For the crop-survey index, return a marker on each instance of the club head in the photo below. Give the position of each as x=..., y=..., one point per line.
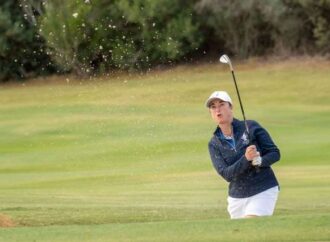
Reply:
x=225, y=60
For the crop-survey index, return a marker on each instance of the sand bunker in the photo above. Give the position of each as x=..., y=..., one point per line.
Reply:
x=6, y=221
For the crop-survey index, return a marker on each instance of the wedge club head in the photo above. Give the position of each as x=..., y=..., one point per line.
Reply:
x=225, y=60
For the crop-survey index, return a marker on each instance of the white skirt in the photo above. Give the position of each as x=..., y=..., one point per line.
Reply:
x=261, y=204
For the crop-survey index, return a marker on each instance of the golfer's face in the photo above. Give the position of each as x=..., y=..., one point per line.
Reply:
x=221, y=111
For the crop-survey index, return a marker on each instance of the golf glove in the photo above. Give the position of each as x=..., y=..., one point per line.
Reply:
x=257, y=161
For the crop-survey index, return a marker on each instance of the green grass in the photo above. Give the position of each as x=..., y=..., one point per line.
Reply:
x=126, y=159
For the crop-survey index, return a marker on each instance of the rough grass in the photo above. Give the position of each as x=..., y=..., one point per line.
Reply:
x=125, y=159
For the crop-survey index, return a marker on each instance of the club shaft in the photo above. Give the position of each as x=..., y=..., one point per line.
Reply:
x=240, y=103
x=242, y=109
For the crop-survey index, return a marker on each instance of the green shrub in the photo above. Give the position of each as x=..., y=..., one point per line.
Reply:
x=253, y=27
x=22, y=50
x=241, y=27
x=100, y=35
x=319, y=15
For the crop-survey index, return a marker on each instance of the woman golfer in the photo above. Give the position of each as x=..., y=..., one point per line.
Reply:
x=245, y=164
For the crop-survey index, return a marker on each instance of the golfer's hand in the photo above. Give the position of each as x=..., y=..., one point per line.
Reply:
x=251, y=152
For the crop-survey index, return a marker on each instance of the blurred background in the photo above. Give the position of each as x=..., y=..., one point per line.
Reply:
x=92, y=37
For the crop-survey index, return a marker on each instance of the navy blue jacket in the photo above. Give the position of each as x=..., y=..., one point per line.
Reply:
x=230, y=162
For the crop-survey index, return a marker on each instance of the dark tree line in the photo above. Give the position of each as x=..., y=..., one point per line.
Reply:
x=96, y=36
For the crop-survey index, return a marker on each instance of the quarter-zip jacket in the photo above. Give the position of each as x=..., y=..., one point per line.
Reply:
x=230, y=162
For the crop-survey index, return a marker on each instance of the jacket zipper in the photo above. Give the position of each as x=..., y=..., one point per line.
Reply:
x=220, y=142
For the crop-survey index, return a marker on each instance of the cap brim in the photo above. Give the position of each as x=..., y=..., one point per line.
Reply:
x=207, y=104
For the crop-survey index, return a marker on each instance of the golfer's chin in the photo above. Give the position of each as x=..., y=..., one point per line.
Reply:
x=222, y=121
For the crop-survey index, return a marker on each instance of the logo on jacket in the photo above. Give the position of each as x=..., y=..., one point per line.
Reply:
x=245, y=139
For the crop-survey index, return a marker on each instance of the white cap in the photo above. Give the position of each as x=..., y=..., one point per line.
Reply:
x=221, y=95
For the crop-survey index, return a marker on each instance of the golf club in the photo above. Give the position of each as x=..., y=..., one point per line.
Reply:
x=225, y=60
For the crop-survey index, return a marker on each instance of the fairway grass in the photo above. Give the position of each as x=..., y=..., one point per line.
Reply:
x=125, y=158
